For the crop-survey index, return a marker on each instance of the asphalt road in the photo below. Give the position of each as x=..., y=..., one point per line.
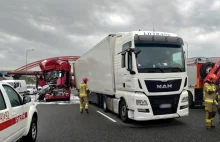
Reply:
x=64, y=123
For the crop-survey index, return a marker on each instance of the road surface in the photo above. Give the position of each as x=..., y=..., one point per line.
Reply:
x=63, y=122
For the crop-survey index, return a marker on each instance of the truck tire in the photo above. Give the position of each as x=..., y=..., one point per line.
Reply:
x=32, y=134
x=123, y=111
x=191, y=103
x=205, y=69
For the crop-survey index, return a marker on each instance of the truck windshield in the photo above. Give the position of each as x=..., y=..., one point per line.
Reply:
x=160, y=58
x=53, y=75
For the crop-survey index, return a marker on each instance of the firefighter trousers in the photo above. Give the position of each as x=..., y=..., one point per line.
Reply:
x=210, y=110
x=84, y=99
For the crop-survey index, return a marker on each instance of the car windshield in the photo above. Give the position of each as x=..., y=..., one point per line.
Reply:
x=160, y=58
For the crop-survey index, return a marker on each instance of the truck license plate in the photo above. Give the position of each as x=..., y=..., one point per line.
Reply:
x=165, y=106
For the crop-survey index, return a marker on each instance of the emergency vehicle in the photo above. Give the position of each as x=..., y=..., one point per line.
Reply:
x=197, y=70
x=139, y=75
x=18, y=116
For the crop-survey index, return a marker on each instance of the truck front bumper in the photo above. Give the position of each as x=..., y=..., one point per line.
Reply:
x=156, y=109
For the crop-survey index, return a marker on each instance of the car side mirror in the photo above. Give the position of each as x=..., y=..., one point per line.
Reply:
x=26, y=99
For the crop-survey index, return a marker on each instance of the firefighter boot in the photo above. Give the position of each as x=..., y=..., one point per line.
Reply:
x=87, y=110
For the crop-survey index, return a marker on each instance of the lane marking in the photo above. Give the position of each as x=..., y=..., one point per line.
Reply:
x=106, y=116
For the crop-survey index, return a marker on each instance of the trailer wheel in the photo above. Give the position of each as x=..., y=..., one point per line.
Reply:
x=205, y=69
x=123, y=111
x=105, y=104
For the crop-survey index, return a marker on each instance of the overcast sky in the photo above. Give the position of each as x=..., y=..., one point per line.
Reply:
x=72, y=27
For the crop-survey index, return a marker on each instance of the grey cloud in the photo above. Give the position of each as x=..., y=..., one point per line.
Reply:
x=64, y=27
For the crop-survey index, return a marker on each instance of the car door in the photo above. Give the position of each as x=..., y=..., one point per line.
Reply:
x=17, y=110
x=6, y=133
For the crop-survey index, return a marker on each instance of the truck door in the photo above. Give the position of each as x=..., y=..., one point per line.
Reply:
x=127, y=77
x=127, y=65
x=6, y=132
x=17, y=110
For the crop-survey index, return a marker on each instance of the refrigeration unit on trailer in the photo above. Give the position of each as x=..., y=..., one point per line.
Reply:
x=197, y=70
x=138, y=75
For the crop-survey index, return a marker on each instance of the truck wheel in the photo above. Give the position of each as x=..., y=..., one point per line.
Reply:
x=191, y=103
x=123, y=112
x=205, y=69
x=32, y=134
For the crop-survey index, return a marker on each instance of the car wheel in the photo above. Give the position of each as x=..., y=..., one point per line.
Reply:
x=32, y=134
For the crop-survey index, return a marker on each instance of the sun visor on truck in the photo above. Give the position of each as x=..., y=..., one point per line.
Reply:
x=157, y=39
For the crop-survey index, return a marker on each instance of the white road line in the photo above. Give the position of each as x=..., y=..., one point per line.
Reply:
x=106, y=116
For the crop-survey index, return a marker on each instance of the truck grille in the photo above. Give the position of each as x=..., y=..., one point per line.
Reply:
x=157, y=101
x=161, y=86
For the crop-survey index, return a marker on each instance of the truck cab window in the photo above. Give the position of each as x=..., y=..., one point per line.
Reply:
x=13, y=96
x=2, y=102
x=177, y=57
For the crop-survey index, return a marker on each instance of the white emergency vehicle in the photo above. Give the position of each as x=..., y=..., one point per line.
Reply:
x=31, y=89
x=18, y=116
x=19, y=85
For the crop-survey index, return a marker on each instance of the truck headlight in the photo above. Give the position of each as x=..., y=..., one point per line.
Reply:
x=185, y=99
x=141, y=102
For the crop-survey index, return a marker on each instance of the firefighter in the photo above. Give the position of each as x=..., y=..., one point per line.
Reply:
x=83, y=94
x=218, y=100
x=210, y=100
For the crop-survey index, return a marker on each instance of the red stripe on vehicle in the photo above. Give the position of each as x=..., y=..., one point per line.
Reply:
x=10, y=122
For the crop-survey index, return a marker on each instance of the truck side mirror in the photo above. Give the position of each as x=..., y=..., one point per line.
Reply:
x=129, y=68
x=137, y=51
x=132, y=72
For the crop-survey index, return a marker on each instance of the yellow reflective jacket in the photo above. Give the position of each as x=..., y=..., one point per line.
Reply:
x=209, y=93
x=83, y=88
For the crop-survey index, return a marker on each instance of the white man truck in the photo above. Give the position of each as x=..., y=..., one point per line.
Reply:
x=139, y=75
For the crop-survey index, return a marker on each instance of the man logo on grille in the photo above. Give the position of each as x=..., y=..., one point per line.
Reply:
x=164, y=86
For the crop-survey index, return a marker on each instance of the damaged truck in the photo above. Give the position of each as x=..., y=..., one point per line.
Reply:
x=55, y=80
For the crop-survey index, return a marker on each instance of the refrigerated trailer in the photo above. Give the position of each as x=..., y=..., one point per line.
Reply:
x=139, y=75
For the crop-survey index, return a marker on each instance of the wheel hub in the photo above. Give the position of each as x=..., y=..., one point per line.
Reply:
x=104, y=105
x=208, y=69
x=123, y=110
x=34, y=131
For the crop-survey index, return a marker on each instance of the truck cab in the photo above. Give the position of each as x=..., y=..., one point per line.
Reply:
x=18, y=116
x=152, y=76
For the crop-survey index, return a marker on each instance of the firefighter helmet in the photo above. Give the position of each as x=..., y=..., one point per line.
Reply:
x=85, y=79
x=211, y=77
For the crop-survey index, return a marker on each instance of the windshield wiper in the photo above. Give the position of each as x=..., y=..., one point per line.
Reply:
x=177, y=68
x=153, y=69
x=159, y=69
